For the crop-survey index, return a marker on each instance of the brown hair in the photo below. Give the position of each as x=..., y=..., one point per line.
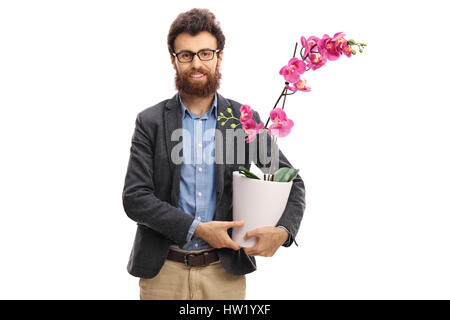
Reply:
x=193, y=22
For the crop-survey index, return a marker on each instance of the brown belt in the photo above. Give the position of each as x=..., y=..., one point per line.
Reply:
x=194, y=259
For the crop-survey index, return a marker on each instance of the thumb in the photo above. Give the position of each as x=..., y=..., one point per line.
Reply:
x=250, y=234
x=235, y=224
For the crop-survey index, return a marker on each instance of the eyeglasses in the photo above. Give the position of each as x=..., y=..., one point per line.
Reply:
x=187, y=56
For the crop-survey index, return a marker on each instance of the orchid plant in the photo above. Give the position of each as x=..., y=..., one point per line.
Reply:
x=314, y=54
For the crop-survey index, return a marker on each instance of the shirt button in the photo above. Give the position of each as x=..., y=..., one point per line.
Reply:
x=196, y=245
x=199, y=194
x=199, y=144
x=200, y=169
x=199, y=218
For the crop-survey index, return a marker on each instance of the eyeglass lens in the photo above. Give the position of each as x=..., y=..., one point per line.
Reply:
x=203, y=55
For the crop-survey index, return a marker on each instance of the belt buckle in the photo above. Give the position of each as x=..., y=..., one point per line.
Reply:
x=186, y=258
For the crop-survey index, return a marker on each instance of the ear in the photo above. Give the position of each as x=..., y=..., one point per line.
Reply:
x=174, y=63
x=219, y=59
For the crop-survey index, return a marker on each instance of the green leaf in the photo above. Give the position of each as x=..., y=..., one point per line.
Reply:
x=247, y=173
x=233, y=125
x=285, y=174
x=229, y=111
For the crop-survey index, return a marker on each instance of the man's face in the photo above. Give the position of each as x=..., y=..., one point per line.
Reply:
x=209, y=82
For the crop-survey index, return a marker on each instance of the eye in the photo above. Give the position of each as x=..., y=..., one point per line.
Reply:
x=206, y=54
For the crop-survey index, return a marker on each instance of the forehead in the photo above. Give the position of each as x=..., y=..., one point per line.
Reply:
x=202, y=40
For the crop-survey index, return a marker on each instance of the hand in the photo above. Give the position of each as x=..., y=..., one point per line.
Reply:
x=269, y=240
x=215, y=233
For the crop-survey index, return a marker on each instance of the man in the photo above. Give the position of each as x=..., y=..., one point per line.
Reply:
x=183, y=248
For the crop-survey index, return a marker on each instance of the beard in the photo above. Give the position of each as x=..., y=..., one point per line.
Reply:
x=187, y=86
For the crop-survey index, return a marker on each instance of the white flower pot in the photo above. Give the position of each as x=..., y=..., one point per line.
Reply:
x=258, y=203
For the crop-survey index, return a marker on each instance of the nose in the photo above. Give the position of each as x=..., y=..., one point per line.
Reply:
x=196, y=62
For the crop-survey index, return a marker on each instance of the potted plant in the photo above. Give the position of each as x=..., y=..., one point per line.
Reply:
x=260, y=199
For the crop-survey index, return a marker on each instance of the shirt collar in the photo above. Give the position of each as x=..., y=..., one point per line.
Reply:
x=212, y=110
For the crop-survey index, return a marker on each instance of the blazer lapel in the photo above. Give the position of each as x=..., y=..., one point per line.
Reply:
x=222, y=105
x=173, y=121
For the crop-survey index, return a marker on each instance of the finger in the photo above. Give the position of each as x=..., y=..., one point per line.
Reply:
x=251, y=251
x=251, y=234
x=235, y=224
x=233, y=245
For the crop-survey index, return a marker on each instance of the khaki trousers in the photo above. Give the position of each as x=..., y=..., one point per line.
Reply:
x=176, y=281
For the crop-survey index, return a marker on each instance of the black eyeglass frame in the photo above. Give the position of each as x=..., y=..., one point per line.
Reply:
x=195, y=54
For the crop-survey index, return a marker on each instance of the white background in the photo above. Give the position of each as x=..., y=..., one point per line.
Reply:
x=370, y=140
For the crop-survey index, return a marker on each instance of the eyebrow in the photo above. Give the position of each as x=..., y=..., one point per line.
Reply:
x=197, y=51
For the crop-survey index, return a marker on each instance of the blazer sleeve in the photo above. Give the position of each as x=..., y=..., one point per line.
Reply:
x=295, y=206
x=139, y=200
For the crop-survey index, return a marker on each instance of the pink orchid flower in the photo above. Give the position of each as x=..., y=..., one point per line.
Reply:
x=252, y=129
x=315, y=58
x=281, y=126
x=246, y=113
x=299, y=86
x=333, y=47
x=293, y=70
x=310, y=44
x=348, y=51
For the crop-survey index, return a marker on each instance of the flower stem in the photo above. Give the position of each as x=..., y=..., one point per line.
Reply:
x=265, y=158
x=274, y=143
x=276, y=103
x=283, y=93
x=284, y=100
x=295, y=50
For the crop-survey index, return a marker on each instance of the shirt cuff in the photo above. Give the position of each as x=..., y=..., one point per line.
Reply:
x=289, y=240
x=192, y=230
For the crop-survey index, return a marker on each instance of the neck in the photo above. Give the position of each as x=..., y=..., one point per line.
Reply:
x=196, y=104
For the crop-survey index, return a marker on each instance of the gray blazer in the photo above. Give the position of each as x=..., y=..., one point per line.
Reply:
x=151, y=191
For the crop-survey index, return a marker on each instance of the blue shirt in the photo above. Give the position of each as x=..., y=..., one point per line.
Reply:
x=198, y=178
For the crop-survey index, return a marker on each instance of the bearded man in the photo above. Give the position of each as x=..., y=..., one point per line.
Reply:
x=183, y=209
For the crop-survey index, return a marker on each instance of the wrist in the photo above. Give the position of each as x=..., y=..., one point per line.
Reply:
x=198, y=230
x=284, y=235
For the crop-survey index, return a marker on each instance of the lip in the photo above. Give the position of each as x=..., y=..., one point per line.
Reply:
x=196, y=78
